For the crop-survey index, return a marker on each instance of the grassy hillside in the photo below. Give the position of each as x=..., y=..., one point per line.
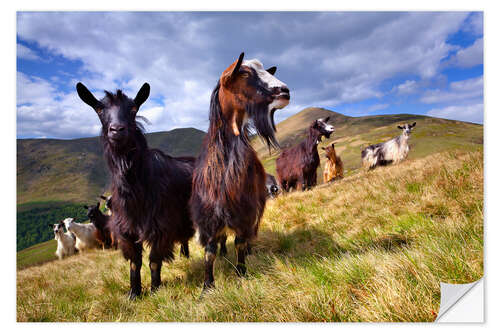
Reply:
x=37, y=254
x=431, y=135
x=74, y=170
x=372, y=247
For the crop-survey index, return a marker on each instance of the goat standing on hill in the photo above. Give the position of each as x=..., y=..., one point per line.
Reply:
x=272, y=186
x=101, y=223
x=84, y=233
x=392, y=151
x=297, y=166
x=150, y=189
x=334, y=168
x=229, y=181
x=65, y=240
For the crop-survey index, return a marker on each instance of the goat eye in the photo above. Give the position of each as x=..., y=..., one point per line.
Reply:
x=245, y=75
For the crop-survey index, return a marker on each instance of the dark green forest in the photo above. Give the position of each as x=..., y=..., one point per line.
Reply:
x=33, y=224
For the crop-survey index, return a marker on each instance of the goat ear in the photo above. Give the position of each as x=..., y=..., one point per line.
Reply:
x=326, y=119
x=85, y=206
x=400, y=127
x=236, y=68
x=142, y=95
x=413, y=125
x=88, y=98
x=271, y=70
x=103, y=197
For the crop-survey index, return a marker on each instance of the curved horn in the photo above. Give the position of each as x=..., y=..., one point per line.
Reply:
x=236, y=68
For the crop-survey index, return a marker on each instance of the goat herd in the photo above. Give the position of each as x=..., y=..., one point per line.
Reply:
x=160, y=200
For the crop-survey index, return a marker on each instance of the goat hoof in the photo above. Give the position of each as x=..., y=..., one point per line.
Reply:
x=154, y=289
x=133, y=295
x=241, y=270
x=206, y=288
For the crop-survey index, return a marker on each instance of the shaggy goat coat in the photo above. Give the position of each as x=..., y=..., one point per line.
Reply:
x=392, y=151
x=334, y=167
x=230, y=161
x=149, y=189
x=229, y=182
x=296, y=167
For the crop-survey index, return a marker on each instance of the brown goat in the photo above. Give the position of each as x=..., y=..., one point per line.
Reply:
x=229, y=182
x=334, y=168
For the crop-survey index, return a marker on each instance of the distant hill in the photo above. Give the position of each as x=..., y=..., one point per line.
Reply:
x=352, y=134
x=74, y=170
x=55, y=177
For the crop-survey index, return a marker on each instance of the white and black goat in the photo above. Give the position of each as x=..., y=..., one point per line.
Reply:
x=392, y=151
x=65, y=240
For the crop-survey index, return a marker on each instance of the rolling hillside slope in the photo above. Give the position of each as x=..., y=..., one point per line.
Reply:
x=372, y=247
x=431, y=135
x=56, y=173
x=74, y=170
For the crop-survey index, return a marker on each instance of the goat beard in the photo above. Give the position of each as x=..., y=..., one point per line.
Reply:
x=262, y=122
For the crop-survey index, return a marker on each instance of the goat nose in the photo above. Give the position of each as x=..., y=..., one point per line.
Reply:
x=116, y=128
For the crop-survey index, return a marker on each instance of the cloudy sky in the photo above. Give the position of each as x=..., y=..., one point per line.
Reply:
x=356, y=63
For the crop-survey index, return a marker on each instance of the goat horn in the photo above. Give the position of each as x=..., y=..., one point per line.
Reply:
x=238, y=64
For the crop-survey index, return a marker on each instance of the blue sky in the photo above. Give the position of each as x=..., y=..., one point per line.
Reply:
x=356, y=63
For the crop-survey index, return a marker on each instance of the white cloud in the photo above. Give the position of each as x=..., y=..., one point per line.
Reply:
x=24, y=52
x=327, y=59
x=406, y=88
x=472, y=112
x=42, y=111
x=474, y=24
x=470, y=56
x=458, y=90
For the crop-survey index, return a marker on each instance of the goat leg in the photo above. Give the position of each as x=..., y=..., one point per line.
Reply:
x=155, y=261
x=210, y=255
x=241, y=246
x=223, y=248
x=185, y=249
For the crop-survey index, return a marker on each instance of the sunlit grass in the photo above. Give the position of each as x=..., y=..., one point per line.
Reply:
x=372, y=247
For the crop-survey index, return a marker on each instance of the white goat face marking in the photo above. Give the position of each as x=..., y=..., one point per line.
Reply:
x=270, y=81
x=58, y=228
x=328, y=128
x=265, y=76
x=406, y=129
